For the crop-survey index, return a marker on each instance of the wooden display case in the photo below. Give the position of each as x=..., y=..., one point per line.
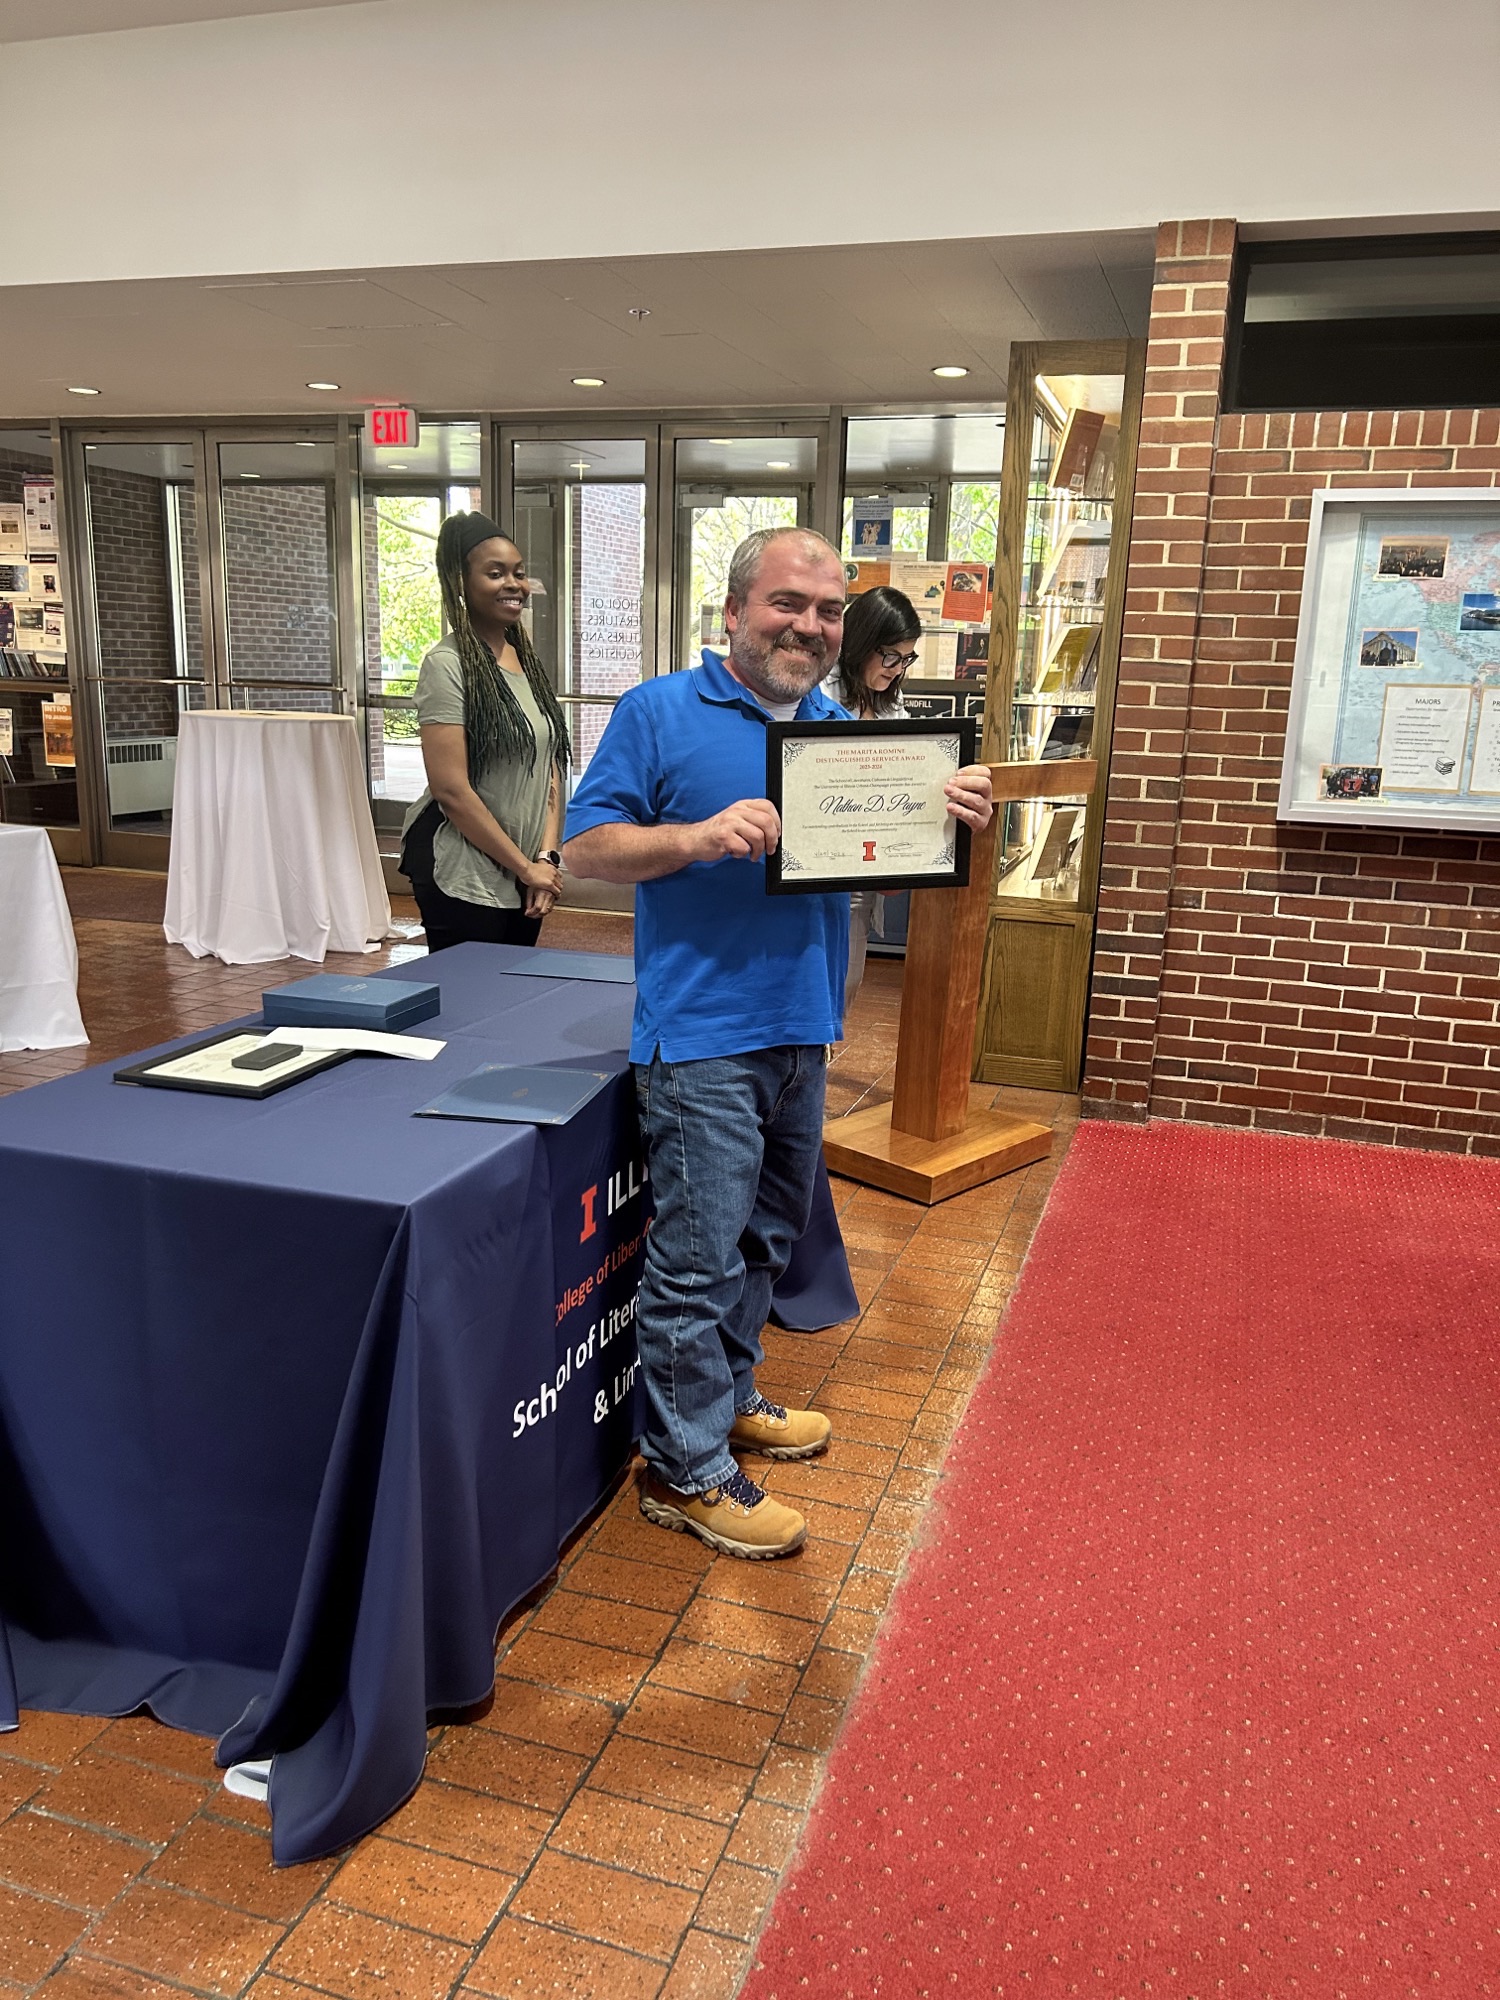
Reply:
x=1072, y=427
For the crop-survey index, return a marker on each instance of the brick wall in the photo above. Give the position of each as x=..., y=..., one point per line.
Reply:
x=280, y=593
x=1305, y=979
x=133, y=596
x=18, y=466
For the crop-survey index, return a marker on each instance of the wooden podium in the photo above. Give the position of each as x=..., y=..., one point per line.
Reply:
x=934, y=1139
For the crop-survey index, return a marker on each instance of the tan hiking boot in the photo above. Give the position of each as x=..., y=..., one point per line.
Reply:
x=737, y=1518
x=777, y=1433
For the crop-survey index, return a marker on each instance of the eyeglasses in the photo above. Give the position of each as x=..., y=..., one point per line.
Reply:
x=890, y=659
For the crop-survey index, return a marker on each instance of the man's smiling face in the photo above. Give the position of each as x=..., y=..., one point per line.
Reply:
x=785, y=635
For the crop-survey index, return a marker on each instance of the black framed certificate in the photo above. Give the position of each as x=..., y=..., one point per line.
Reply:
x=237, y=1062
x=862, y=805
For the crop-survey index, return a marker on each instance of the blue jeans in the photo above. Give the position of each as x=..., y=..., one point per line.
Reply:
x=733, y=1145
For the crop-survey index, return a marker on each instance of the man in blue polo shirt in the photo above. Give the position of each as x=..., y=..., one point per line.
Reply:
x=738, y=995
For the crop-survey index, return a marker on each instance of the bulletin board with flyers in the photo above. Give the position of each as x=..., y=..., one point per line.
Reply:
x=37, y=762
x=1395, y=708
x=952, y=599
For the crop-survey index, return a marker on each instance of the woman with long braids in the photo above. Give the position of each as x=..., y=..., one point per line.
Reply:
x=480, y=846
x=881, y=629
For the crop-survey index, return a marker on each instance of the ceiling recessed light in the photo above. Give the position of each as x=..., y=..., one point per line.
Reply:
x=399, y=468
x=778, y=465
x=588, y=381
x=249, y=475
x=950, y=371
x=76, y=389
x=322, y=385
x=305, y=444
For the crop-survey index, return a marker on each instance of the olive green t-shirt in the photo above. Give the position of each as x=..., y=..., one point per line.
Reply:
x=515, y=795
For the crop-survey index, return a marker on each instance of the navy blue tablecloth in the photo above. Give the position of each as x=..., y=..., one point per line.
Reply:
x=298, y=1397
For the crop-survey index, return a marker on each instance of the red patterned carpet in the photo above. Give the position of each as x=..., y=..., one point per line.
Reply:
x=1194, y=1689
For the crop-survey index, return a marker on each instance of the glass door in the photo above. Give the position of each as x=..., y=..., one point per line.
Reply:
x=215, y=570
x=144, y=588
x=405, y=496
x=724, y=487
x=581, y=510
x=275, y=530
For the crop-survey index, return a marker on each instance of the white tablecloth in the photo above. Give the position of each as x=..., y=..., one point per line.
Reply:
x=273, y=845
x=38, y=954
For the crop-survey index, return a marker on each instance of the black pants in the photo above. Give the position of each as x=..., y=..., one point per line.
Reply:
x=446, y=919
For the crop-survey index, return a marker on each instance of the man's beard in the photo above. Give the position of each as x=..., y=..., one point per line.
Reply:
x=780, y=671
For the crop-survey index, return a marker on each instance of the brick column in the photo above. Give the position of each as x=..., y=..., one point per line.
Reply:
x=1163, y=605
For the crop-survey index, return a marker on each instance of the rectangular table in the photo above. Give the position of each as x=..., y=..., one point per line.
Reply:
x=314, y=1390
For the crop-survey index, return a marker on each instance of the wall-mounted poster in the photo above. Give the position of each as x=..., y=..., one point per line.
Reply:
x=1395, y=708
x=966, y=596
x=7, y=732
x=925, y=583
x=870, y=530
x=12, y=529
x=54, y=640
x=15, y=578
x=44, y=580
x=57, y=732
x=39, y=499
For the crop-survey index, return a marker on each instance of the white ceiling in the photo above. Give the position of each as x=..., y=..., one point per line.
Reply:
x=29, y=21
x=762, y=328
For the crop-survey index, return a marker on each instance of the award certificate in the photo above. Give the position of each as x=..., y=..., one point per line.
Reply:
x=862, y=805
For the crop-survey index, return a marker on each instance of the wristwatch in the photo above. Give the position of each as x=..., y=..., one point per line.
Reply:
x=551, y=856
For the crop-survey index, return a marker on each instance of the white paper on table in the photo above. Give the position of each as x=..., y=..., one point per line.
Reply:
x=362, y=1041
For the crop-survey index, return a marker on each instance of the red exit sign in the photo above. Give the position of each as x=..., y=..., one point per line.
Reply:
x=392, y=429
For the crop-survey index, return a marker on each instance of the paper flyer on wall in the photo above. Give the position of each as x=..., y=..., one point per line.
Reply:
x=15, y=578
x=966, y=593
x=54, y=641
x=870, y=530
x=44, y=580
x=862, y=576
x=57, y=732
x=925, y=583
x=12, y=529
x=39, y=499
x=7, y=732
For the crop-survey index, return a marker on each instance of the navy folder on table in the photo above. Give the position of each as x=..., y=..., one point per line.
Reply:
x=509, y=1094
x=538, y=962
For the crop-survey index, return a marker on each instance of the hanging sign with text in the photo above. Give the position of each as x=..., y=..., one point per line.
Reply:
x=392, y=430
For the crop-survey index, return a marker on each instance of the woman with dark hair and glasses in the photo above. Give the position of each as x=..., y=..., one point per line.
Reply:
x=881, y=629
x=480, y=845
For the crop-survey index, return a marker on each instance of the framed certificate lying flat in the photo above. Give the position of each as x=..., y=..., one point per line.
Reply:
x=242, y=1063
x=862, y=805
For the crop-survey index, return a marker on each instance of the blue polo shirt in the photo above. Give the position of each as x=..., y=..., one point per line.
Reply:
x=721, y=967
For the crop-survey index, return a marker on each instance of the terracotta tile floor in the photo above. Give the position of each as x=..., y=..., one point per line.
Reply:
x=615, y=1822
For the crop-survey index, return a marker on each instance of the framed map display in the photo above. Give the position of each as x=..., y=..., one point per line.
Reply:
x=1395, y=709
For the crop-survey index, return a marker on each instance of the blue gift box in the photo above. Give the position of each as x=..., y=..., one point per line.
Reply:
x=329, y=1001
